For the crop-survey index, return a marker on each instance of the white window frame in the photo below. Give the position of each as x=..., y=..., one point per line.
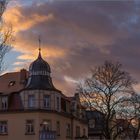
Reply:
x=31, y=102
x=29, y=127
x=4, y=103
x=47, y=102
x=68, y=130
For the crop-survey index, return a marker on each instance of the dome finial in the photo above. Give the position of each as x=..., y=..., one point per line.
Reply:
x=39, y=42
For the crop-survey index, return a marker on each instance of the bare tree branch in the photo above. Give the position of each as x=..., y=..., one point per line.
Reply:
x=5, y=35
x=105, y=90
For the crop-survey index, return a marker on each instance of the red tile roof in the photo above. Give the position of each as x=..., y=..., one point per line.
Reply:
x=11, y=82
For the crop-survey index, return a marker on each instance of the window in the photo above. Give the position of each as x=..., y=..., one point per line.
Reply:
x=74, y=105
x=68, y=130
x=58, y=128
x=57, y=103
x=31, y=101
x=46, y=101
x=92, y=123
x=77, y=131
x=3, y=127
x=84, y=132
x=63, y=104
x=46, y=125
x=12, y=83
x=29, y=126
x=4, y=103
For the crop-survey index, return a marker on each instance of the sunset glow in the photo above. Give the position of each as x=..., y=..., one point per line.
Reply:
x=74, y=39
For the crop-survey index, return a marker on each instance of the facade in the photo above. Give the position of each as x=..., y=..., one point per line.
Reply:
x=31, y=108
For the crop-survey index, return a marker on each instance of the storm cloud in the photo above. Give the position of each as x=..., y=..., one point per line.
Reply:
x=77, y=36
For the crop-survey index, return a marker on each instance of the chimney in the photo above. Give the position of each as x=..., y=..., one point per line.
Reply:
x=23, y=76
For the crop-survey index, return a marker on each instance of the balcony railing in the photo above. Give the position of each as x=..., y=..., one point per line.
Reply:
x=47, y=135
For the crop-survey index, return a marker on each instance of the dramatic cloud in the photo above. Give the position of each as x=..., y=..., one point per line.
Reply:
x=76, y=36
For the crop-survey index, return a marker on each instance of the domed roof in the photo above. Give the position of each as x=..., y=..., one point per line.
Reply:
x=39, y=75
x=39, y=65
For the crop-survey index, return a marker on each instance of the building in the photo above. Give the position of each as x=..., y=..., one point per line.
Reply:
x=95, y=124
x=123, y=128
x=31, y=108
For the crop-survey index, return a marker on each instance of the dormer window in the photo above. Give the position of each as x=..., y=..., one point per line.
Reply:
x=12, y=83
x=4, y=102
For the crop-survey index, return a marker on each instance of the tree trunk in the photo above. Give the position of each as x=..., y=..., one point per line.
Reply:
x=137, y=131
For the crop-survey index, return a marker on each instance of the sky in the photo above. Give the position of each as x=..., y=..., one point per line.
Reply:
x=75, y=37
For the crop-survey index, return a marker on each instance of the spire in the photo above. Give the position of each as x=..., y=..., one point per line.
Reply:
x=39, y=49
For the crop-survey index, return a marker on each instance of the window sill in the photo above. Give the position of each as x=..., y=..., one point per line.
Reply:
x=4, y=109
x=3, y=134
x=69, y=137
x=46, y=108
x=30, y=133
x=31, y=107
x=81, y=138
x=78, y=137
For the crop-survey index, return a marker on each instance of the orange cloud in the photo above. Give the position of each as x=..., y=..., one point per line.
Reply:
x=46, y=52
x=28, y=47
x=18, y=63
x=25, y=57
x=20, y=22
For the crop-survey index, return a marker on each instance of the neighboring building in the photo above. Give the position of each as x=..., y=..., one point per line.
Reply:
x=31, y=108
x=95, y=124
x=123, y=129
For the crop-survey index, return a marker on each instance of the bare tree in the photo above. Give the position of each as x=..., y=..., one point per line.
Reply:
x=3, y=4
x=104, y=90
x=5, y=35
